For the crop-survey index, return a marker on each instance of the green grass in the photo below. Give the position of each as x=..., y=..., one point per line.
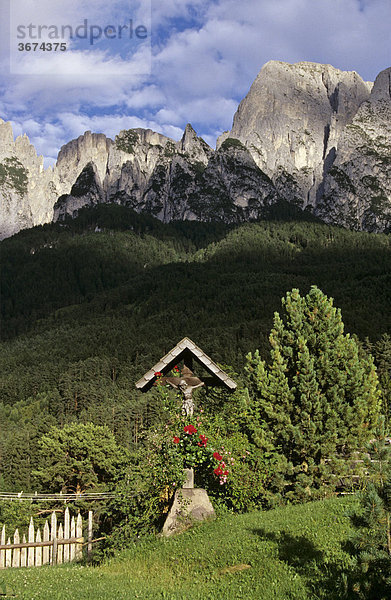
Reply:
x=292, y=553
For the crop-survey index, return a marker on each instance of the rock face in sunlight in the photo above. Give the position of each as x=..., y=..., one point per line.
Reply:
x=291, y=121
x=27, y=192
x=170, y=180
x=357, y=188
x=307, y=134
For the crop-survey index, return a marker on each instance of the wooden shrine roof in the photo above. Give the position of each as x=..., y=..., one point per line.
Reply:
x=185, y=349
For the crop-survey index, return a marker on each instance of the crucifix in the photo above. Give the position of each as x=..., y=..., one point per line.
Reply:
x=186, y=383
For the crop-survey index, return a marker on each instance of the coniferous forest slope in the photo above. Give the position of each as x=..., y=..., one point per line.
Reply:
x=90, y=304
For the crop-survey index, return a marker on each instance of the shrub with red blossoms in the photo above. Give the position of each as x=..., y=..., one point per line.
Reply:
x=195, y=451
x=220, y=470
x=203, y=442
x=190, y=429
x=159, y=378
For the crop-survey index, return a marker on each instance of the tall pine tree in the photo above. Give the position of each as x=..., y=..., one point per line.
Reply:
x=318, y=400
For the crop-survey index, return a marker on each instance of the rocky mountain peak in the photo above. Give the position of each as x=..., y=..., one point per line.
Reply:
x=291, y=120
x=73, y=157
x=6, y=133
x=27, y=193
x=194, y=145
x=306, y=133
x=382, y=86
x=189, y=138
x=356, y=191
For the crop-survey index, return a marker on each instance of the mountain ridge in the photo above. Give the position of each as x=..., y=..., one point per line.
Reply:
x=306, y=133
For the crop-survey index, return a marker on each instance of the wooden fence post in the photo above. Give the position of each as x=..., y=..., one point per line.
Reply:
x=66, y=535
x=23, y=553
x=60, y=546
x=2, y=552
x=79, y=535
x=89, y=535
x=53, y=536
x=8, y=555
x=38, y=549
x=54, y=551
x=16, y=552
x=30, y=551
x=46, y=549
x=73, y=535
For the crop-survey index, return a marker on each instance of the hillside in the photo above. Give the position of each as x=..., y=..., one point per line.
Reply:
x=294, y=552
x=89, y=305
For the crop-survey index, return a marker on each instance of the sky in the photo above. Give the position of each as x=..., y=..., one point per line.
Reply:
x=160, y=64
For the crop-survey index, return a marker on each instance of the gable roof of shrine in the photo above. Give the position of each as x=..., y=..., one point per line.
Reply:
x=185, y=350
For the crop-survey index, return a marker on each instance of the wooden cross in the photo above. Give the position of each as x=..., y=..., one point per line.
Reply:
x=186, y=383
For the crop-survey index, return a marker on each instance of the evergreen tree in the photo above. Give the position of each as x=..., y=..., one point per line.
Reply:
x=372, y=543
x=318, y=399
x=381, y=351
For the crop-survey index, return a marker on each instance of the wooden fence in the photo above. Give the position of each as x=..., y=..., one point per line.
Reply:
x=56, y=545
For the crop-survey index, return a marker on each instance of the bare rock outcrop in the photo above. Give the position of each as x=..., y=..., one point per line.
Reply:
x=171, y=180
x=291, y=121
x=27, y=191
x=308, y=134
x=357, y=188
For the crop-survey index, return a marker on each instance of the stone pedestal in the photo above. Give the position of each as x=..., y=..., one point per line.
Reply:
x=189, y=482
x=190, y=505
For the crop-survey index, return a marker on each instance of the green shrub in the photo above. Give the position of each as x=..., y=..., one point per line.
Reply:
x=127, y=140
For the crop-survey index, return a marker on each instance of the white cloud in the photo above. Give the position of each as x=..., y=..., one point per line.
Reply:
x=81, y=66
x=148, y=96
x=110, y=83
x=211, y=111
x=199, y=71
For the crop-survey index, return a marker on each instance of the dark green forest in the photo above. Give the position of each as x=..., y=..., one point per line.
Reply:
x=87, y=306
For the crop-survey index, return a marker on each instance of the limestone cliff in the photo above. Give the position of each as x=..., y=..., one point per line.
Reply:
x=357, y=189
x=171, y=180
x=291, y=121
x=309, y=134
x=27, y=191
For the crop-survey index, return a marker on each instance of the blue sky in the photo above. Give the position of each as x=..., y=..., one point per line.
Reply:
x=195, y=65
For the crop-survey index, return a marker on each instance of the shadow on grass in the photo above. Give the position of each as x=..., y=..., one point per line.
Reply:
x=324, y=580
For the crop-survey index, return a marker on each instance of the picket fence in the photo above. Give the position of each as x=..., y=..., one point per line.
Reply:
x=56, y=545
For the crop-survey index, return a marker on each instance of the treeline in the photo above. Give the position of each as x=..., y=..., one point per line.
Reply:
x=89, y=305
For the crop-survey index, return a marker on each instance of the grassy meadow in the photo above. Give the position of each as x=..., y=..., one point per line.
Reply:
x=291, y=553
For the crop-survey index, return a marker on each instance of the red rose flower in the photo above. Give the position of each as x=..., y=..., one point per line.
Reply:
x=176, y=439
x=226, y=473
x=217, y=456
x=158, y=373
x=218, y=471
